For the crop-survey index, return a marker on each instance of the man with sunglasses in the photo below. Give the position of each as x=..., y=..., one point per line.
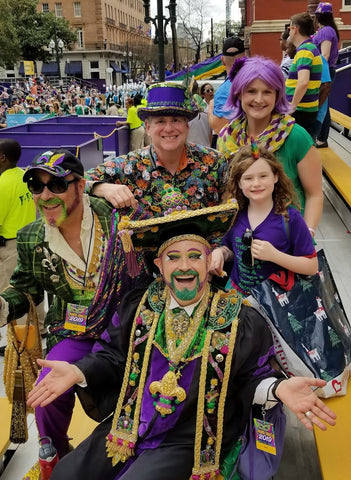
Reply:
x=60, y=253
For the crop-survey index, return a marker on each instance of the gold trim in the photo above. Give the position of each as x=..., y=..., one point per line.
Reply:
x=179, y=238
x=224, y=389
x=126, y=224
x=111, y=447
x=201, y=400
x=217, y=441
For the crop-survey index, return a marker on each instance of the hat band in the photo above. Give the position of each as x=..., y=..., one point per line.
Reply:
x=179, y=238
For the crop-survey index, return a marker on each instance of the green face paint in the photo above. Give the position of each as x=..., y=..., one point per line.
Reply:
x=47, y=216
x=185, y=294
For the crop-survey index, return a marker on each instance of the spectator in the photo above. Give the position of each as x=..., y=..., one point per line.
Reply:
x=218, y=116
x=142, y=175
x=287, y=56
x=135, y=125
x=327, y=40
x=304, y=81
x=199, y=128
x=17, y=208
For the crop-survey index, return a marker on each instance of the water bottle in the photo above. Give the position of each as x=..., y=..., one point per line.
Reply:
x=47, y=457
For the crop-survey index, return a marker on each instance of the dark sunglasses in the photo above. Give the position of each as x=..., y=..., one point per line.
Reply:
x=246, y=240
x=209, y=90
x=57, y=185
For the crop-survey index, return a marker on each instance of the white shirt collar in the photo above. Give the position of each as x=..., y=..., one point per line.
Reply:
x=58, y=244
x=188, y=308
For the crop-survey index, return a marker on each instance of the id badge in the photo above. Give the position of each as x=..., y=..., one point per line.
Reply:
x=76, y=317
x=265, y=439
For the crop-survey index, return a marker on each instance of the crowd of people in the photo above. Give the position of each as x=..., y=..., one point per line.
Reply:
x=168, y=362
x=38, y=96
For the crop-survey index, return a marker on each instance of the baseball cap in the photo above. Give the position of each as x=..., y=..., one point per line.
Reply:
x=232, y=43
x=59, y=163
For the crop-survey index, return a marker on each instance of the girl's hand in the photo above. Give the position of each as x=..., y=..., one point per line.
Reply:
x=263, y=250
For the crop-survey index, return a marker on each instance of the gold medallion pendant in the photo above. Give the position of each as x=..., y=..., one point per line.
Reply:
x=169, y=392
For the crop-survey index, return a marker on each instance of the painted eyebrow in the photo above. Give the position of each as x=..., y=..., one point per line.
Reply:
x=192, y=249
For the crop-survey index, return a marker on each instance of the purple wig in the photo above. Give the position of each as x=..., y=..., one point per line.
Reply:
x=244, y=72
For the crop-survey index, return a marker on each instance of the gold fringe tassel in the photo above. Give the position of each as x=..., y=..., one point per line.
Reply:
x=18, y=428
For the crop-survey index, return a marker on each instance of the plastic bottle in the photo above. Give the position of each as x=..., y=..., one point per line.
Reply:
x=47, y=457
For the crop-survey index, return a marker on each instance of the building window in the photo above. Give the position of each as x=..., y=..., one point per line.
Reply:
x=347, y=4
x=80, y=38
x=94, y=64
x=58, y=10
x=45, y=7
x=77, y=9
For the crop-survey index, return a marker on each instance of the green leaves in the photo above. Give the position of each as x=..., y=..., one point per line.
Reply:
x=25, y=33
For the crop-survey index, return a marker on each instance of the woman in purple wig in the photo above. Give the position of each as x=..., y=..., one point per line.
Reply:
x=260, y=110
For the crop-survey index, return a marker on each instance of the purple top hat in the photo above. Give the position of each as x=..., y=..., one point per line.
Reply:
x=168, y=99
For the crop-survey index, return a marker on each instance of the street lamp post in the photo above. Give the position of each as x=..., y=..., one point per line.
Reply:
x=160, y=30
x=212, y=49
x=56, y=46
x=128, y=56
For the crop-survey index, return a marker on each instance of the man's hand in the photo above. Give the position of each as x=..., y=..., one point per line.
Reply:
x=118, y=195
x=296, y=394
x=63, y=375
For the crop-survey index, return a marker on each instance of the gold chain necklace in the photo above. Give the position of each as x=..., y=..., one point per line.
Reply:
x=188, y=327
x=167, y=391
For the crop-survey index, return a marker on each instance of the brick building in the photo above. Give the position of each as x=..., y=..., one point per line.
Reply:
x=113, y=42
x=111, y=36
x=264, y=21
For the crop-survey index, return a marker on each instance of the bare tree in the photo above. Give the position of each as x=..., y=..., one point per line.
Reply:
x=192, y=16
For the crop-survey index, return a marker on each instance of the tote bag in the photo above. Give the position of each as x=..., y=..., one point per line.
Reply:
x=310, y=329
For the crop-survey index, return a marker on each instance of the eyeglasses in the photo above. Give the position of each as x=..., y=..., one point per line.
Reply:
x=246, y=240
x=57, y=185
x=291, y=26
x=209, y=90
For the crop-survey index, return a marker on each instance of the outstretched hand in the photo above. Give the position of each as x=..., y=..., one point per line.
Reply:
x=296, y=394
x=62, y=376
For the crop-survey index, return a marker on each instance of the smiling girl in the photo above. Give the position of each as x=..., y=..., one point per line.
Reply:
x=269, y=233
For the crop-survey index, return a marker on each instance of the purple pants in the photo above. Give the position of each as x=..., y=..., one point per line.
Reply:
x=54, y=419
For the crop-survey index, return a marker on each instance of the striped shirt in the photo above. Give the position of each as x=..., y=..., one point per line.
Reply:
x=307, y=57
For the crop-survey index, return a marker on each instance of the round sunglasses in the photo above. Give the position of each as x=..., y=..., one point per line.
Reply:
x=56, y=185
